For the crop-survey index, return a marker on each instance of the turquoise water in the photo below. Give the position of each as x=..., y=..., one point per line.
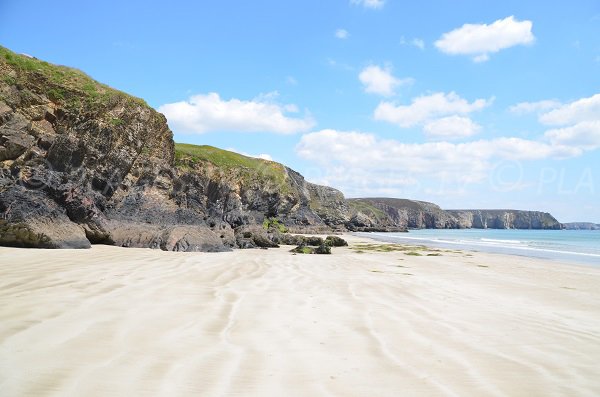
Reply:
x=581, y=246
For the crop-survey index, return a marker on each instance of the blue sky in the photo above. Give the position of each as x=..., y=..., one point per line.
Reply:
x=468, y=104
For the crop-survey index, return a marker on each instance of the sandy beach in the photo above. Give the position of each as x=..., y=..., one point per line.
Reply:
x=114, y=321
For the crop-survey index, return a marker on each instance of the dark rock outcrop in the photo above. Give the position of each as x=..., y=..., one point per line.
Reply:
x=30, y=220
x=335, y=241
x=321, y=249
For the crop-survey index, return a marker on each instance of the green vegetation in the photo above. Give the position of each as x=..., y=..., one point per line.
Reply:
x=322, y=249
x=367, y=209
x=117, y=121
x=9, y=80
x=273, y=223
x=302, y=250
x=186, y=154
x=311, y=245
x=219, y=157
x=411, y=250
x=59, y=83
x=388, y=247
x=56, y=94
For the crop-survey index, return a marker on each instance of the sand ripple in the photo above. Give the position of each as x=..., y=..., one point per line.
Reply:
x=111, y=321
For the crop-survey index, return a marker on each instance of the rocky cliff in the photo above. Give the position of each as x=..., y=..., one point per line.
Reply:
x=581, y=226
x=504, y=219
x=82, y=163
x=387, y=213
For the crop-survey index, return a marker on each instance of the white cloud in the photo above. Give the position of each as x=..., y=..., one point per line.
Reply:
x=208, y=112
x=393, y=164
x=481, y=58
x=342, y=34
x=416, y=42
x=369, y=3
x=451, y=127
x=584, y=135
x=263, y=156
x=480, y=40
x=377, y=80
x=534, y=107
x=579, y=121
x=427, y=107
x=419, y=43
x=584, y=109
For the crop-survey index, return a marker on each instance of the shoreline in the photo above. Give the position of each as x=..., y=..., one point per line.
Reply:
x=136, y=321
x=490, y=245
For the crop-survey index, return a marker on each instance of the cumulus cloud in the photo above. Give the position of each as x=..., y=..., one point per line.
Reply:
x=451, y=127
x=584, y=135
x=427, y=107
x=342, y=34
x=209, y=112
x=580, y=122
x=481, y=40
x=374, y=4
x=377, y=80
x=584, y=109
x=395, y=164
x=534, y=107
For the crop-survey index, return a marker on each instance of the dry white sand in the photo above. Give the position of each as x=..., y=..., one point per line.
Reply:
x=129, y=322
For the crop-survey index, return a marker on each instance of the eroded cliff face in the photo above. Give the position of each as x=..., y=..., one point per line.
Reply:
x=246, y=191
x=82, y=163
x=505, y=219
x=386, y=213
x=581, y=226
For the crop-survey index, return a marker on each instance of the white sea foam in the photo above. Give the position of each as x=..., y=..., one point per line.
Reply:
x=493, y=240
x=551, y=248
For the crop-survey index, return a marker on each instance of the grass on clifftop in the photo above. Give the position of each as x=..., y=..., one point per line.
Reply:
x=366, y=208
x=59, y=83
x=231, y=161
x=219, y=157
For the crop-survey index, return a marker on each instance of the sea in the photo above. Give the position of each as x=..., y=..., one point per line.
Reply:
x=575, y=246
